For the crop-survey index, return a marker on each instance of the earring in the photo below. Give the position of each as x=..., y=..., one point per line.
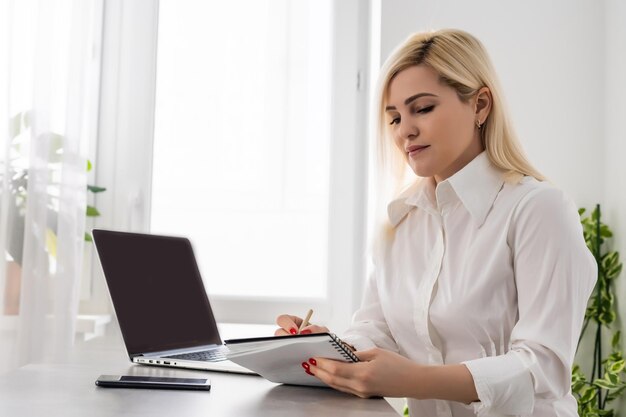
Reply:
x=478, y=124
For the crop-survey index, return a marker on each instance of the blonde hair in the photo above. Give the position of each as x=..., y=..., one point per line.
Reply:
x=463, y=64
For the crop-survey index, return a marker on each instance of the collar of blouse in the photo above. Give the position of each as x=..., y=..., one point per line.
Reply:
x=476, y=185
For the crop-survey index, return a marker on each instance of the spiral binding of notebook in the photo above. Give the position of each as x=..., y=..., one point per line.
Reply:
x=343, y=348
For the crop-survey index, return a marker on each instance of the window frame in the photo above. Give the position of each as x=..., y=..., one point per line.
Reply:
x=126, y=129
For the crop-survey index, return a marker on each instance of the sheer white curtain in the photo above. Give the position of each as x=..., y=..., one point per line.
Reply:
x=46, y=117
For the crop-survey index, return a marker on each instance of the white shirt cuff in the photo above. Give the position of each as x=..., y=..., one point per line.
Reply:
x=504, y=385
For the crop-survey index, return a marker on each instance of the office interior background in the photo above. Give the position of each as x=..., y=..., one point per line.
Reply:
x=246, y=126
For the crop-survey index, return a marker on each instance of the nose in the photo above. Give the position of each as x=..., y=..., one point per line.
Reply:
x=408, y=130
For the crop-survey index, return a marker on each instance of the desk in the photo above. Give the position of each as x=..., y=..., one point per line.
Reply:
x=68, y=390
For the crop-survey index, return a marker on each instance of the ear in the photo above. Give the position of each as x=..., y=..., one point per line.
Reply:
x=483, y=104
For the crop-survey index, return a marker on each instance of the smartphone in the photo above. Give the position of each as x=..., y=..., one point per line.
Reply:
x=140, y=381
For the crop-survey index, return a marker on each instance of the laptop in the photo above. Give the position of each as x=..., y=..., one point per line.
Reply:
x=161, y=305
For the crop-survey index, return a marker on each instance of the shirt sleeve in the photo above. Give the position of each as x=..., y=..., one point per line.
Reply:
x=554, y=274
x=369, y=328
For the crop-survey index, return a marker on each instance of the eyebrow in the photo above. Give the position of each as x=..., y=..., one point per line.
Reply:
x=411, y=99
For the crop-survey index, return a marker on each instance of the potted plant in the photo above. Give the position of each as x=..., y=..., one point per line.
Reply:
x=605, y=383
x=18, y=187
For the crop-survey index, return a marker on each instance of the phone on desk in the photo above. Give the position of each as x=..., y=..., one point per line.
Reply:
x=141, y=381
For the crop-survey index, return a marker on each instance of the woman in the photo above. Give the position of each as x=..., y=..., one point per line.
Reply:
x=482, y=276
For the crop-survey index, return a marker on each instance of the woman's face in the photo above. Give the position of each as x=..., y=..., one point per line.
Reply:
x=431, y=126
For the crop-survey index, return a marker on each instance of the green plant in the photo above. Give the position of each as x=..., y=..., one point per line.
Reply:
x=18, y=183
x=606, y=381
x=92, y=211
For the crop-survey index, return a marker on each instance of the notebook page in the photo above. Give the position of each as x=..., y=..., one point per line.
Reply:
x=282, y=362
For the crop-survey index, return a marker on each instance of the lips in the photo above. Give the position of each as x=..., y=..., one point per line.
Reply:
x=415, y=149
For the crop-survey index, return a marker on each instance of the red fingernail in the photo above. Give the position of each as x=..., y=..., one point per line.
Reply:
x=310, y=373
x=312, y=361
x=306, y=366
x=293, y=331
x=307, y=331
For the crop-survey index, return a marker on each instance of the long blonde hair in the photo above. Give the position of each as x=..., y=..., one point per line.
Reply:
x=463, y=64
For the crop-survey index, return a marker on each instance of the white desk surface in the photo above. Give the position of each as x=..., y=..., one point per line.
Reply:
x=68, y=390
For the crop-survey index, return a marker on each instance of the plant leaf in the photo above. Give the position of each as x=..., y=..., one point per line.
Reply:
x=96, y=189
x=604, y=384
x=613, y=378
x=15, y=125
x=55, y=146
x=595, y=214
x=92, y=211
x=614, y=272
x=615, y=340
x=51, y=242
x=605, y=231
x=26, y=118
x=588, y=395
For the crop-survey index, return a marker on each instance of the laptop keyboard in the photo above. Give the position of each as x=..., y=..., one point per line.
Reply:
x=213, y=355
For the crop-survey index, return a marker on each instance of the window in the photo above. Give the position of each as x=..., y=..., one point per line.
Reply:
x=242, y=126
x=241, y=141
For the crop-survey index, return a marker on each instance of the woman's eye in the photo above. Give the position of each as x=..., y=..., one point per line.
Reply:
x=426, y=109
x=395, y=121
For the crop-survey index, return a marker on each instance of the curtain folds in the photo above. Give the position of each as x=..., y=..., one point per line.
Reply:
x=46, y=81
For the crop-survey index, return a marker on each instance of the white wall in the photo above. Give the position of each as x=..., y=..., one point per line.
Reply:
x=615, y=150
x=550, y=59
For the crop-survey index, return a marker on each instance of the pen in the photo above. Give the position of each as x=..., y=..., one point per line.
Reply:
x=305, y=322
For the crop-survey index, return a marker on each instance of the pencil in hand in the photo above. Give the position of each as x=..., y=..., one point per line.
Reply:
x=305, y=322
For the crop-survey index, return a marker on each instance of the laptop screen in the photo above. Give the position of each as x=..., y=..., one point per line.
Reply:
x=157, y=291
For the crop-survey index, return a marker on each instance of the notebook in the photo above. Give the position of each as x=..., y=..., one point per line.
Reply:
x=279, y=358
x=160, y=301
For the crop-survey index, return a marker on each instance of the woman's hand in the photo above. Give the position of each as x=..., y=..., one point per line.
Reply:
x=380, y=373
x=290, y=324
x=388, y=374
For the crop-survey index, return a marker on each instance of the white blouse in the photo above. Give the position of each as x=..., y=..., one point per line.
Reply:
x=486, y=273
